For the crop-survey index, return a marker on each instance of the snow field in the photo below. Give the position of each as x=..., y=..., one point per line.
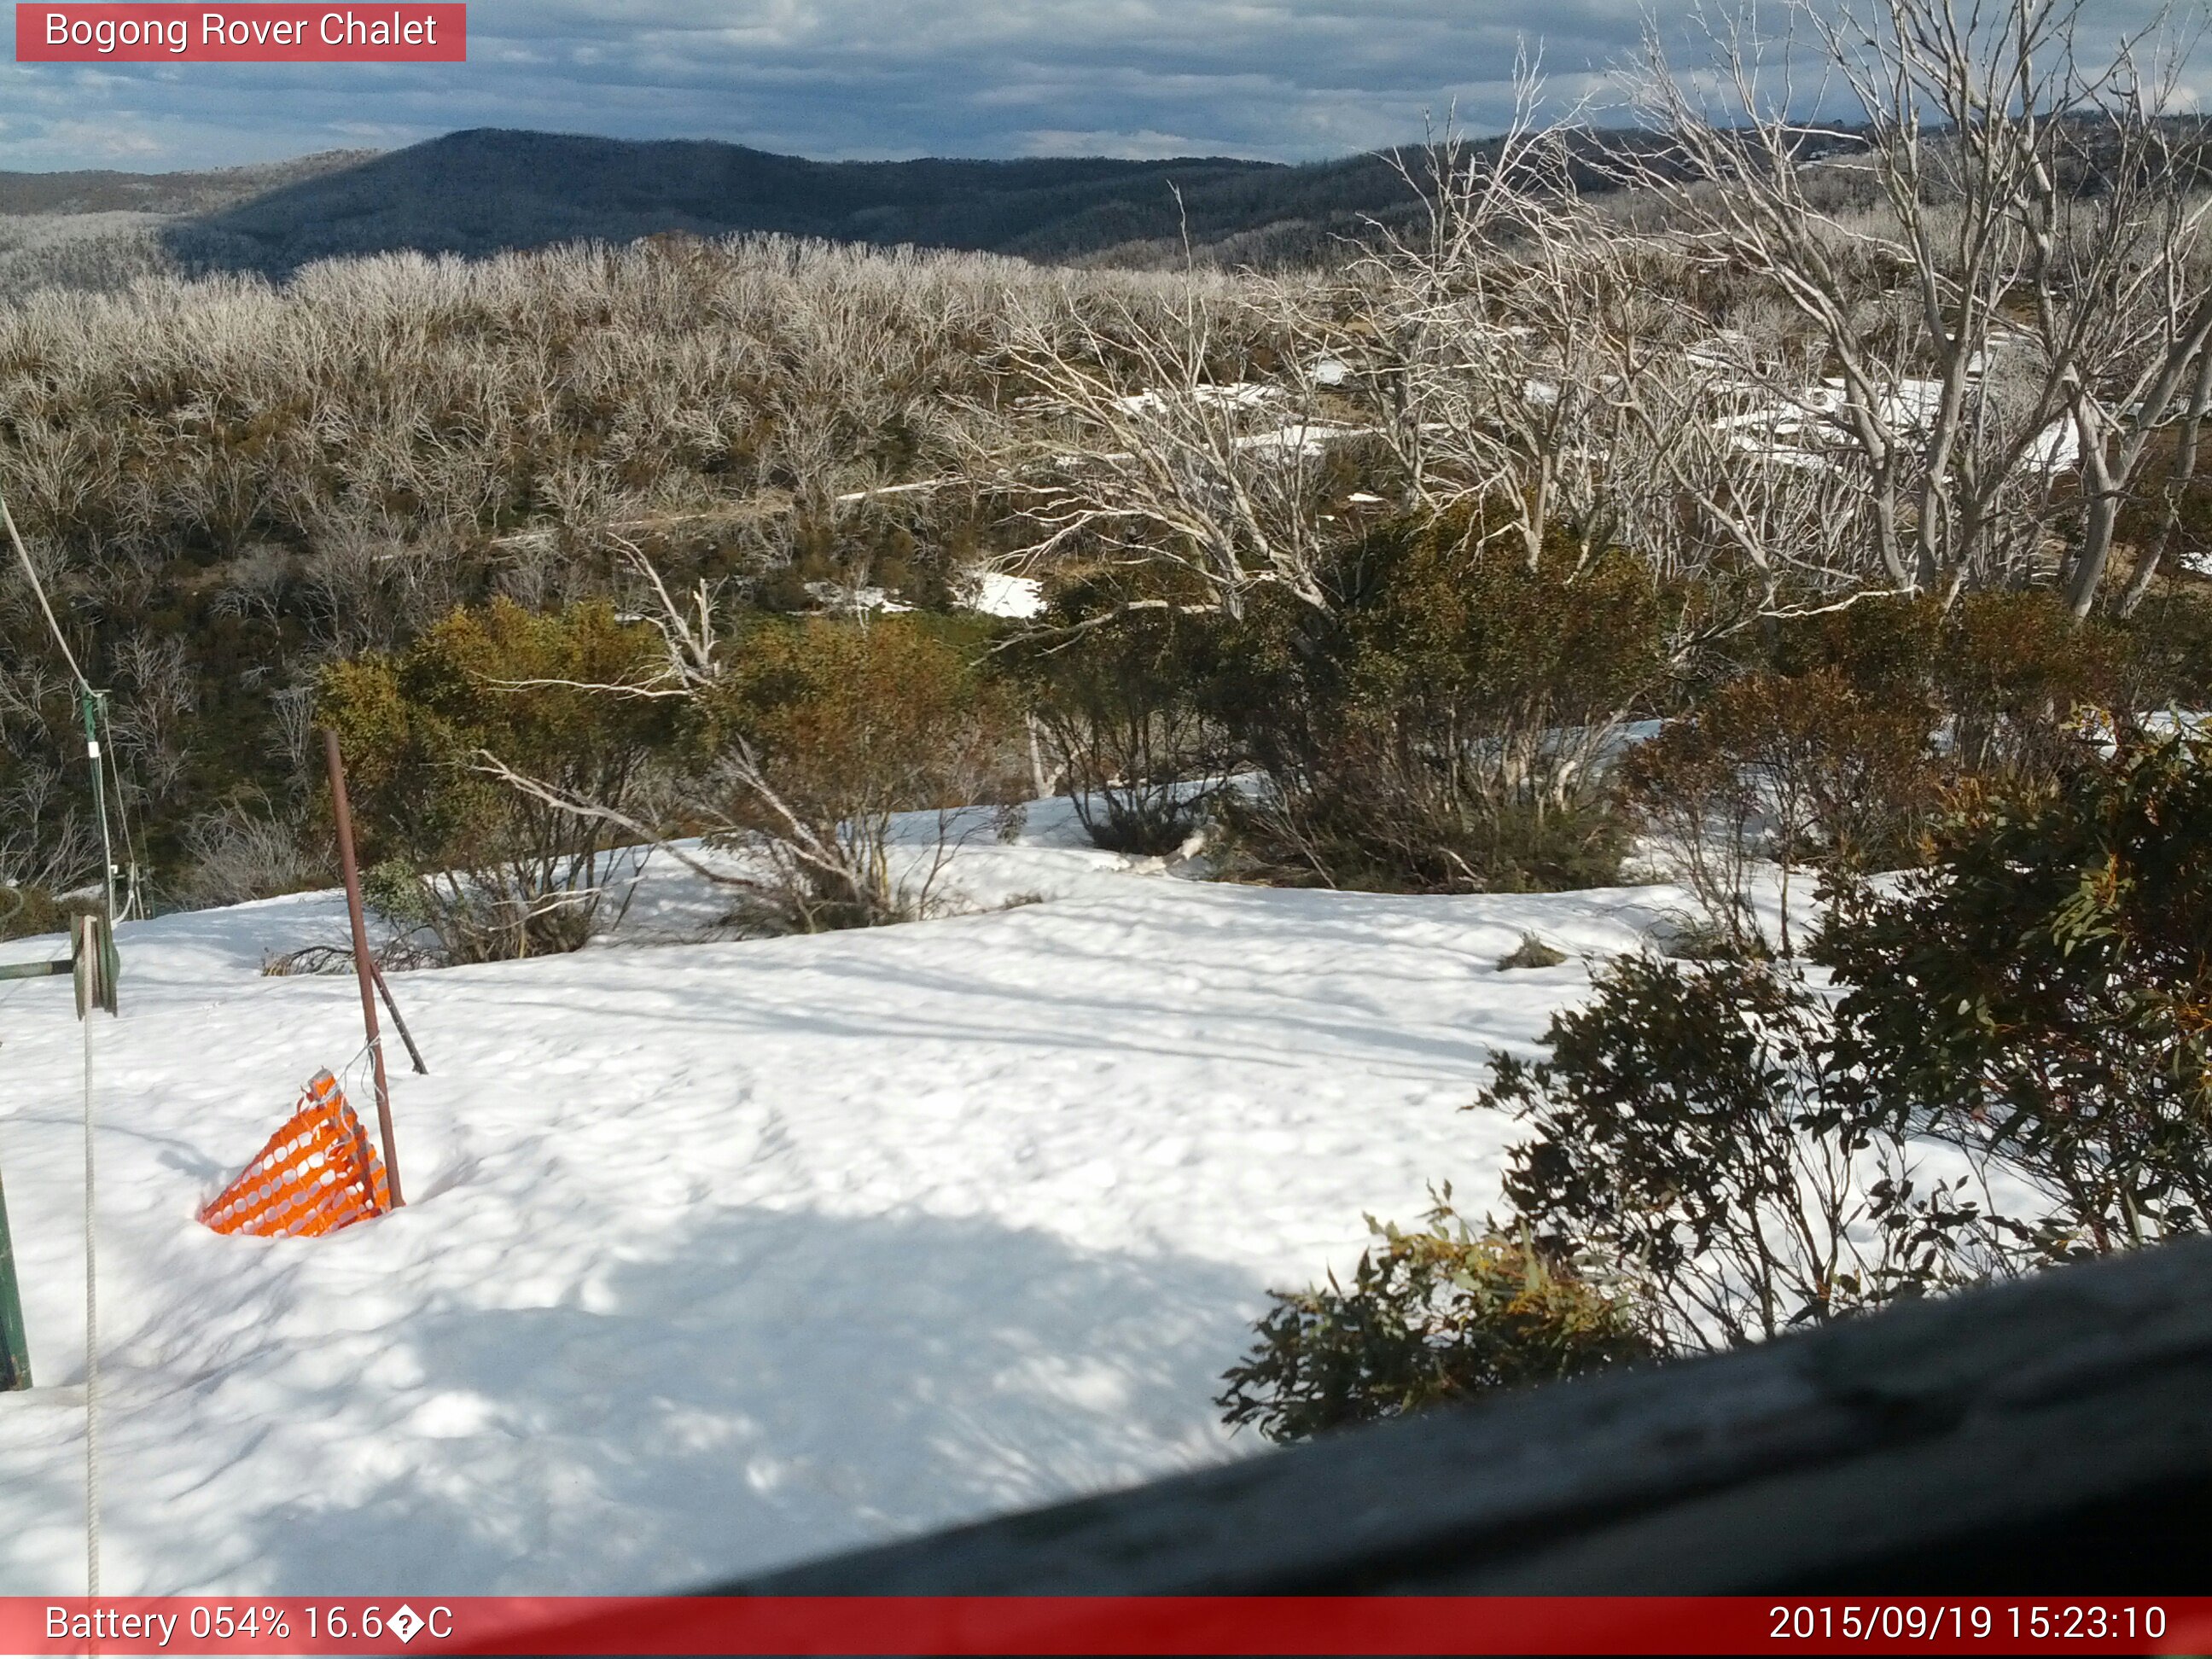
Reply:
x=723, y=1254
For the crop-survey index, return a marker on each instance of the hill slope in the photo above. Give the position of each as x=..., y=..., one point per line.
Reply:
x=104, y=191
x=479, y=191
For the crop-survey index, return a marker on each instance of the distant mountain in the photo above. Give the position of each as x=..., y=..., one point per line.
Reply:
x=479, y=191
x=101, y=192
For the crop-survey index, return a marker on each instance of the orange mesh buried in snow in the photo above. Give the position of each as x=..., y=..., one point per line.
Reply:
x=317, y=1173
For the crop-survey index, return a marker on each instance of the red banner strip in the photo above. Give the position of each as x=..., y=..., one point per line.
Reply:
x=1104, y=1624
x=69, y=33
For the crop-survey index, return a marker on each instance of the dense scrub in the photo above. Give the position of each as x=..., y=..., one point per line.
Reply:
x=1443, y=725
x=817, y=734
x=1836, y=742
x=492, y=871
x=1412, y=539
x=2010, y=1069
x=513, y=770
x=2040, y=992
x=1121, y=695
x=227, y=485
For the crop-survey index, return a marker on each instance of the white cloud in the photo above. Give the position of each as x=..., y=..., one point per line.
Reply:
x=1283, y=79
x=1146, y=145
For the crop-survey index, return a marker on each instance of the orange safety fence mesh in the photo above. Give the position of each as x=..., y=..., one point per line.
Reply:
x=319, y=1173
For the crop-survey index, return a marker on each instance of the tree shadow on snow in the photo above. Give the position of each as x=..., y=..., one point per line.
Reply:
x=755, y=1388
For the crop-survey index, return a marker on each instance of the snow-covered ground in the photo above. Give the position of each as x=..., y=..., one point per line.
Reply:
x=721, y=1255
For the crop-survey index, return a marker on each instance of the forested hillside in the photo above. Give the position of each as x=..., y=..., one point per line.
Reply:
x=484, y=191
x=481, y=192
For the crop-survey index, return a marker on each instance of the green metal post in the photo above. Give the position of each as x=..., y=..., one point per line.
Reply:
x=90, y=702
x=109, y=968
x=14, y=1347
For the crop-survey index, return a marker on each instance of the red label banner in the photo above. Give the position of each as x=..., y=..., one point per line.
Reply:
x=282, y=33
x=1104, y=1624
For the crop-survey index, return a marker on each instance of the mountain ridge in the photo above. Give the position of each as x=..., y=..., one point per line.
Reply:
x=485, y=190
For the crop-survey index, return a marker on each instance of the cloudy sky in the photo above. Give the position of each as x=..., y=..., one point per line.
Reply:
x=1288, y=79
x=1282, y=79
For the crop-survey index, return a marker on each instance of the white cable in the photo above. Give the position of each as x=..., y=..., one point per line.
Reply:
x=93, y=970
x=95, y=976
x=8, y=520
x=99, y=704
x=91, y=1342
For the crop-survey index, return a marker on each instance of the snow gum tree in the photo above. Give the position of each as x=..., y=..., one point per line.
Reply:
x=2025, y=285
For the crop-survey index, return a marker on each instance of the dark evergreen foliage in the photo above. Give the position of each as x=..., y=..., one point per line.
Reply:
x=2042, y=990
x=1442, y=726
x=1700, y=1127
x=1437, y=1315
x=488, y=189
x=1119, y=689
x=493, y=871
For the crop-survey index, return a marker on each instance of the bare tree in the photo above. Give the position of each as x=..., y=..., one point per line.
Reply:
x=2025, y=294
x=2180, y=476
x=48, y=842
x=1506, y=339
x=1148, y=436
x=156, y=697
x=249, y=848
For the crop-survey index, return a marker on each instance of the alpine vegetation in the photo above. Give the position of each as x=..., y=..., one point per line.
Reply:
x=1690, y=642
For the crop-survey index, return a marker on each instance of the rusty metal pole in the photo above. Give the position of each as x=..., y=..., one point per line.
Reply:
x=363, y=969
x=398, y=1019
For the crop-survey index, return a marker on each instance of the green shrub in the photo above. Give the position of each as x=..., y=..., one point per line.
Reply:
x=1842, y=751
x=1117, y=690
x=2041, y=992
x=819, y=732
x=1434, y=1315
x=2168, y=651
x=2015, y=672
x=1808, y=769
x=2007, y=672
x=1883, y=647
x=1445, y=725
x=1698, y=1127
x=501, y=871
